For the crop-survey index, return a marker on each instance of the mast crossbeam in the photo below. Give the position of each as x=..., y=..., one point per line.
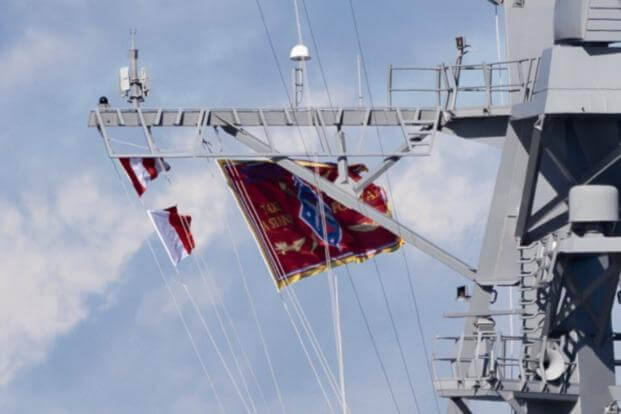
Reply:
x=283, y=117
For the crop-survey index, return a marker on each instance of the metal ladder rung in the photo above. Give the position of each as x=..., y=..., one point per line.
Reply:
x=416, y=130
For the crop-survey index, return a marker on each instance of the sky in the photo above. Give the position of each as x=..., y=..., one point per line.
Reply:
x=87, y=323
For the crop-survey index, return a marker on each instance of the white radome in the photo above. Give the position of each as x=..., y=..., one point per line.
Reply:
x=299, y=53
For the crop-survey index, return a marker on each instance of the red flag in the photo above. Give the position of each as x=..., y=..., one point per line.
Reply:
x=285, y=215
x=174, y=232
x=142, y=170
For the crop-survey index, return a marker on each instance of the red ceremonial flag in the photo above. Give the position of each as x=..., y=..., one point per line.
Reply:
x=174, y=232
x=285, y=215
x=142, y=170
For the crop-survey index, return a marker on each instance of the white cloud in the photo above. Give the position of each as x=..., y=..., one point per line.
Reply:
x=442, y=196
x=34, y=56
x=202, y=196
x=56, y=252
x=53, y=254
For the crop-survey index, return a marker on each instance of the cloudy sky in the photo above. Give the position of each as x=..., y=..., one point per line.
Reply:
x=86, y=322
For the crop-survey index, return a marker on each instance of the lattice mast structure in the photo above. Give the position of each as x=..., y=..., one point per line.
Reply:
x=551, y=232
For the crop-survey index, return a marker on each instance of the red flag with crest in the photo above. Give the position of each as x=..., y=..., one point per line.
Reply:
x=298, y=230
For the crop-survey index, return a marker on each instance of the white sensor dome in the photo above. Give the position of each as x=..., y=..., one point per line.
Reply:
x=299, y=53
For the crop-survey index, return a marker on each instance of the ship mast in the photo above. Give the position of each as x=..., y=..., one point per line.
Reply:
x=551, y=230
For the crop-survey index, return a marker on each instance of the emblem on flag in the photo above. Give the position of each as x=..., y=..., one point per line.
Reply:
x=312, y=212
x=142, y=170
x=174, y=232
x=298, y=229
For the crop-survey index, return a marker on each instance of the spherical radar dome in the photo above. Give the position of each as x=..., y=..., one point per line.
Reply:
x=299, y=53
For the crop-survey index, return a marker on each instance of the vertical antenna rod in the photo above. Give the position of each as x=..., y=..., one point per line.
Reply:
x=134, y=84
x=135, y=91
x=300, y=55
x=359, y=69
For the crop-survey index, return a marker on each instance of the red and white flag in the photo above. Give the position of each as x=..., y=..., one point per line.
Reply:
x=142, y=170
x=174, y=232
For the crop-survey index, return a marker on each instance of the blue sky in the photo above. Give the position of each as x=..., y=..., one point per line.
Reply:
x=86, y=324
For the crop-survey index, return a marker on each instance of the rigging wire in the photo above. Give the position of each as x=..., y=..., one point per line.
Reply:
x=254, y=313
x=224, y=331
x=394, y=330
x=297, y=332
x=218, y=352
x=316, y=47
x=208, y=331
x=296, y=305
x=299, y=310
x=372, y=337
x=233, y=328
x=334, y=299
x=234, y=169
x=390, y=191
x=175, y=302
x=205, y=326
x=332, y=280
x=169, y=180
x=255, y=318
x=186, y=327
x=297, y=21
x=186, y=230
x=228, y=340
x=314, y=342
x=323, y=213
x=284, y=84
x=289, y=98
x=273, y=48
x=198, y=259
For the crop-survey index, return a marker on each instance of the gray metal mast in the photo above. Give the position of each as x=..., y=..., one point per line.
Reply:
x=552, y=228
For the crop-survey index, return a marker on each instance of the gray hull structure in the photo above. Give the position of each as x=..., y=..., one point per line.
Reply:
x=552, y=233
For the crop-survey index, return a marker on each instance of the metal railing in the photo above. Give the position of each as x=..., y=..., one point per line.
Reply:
x=492, y=360
x=451, y=82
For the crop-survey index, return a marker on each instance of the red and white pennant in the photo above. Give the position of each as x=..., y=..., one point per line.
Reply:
x=142, y=170
x=174, y=232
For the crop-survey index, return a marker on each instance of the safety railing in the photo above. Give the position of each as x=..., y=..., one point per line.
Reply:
x=492, y=360
x=450, y=84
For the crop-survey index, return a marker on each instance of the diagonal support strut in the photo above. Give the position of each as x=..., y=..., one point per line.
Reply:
x=346, y=198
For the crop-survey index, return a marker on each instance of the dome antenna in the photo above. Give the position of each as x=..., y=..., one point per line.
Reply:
x=299, y=54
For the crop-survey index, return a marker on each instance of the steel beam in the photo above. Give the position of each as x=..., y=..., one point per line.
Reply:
x=509, y=398
x=590, y=176
x=381, y=169
x=264, y=117
x=482, y=314
x=532, y=174
x=349, y=200
x=458, y=406
x=581, y=297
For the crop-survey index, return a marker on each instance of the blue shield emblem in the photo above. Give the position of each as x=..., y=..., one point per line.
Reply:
x=311, y=211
